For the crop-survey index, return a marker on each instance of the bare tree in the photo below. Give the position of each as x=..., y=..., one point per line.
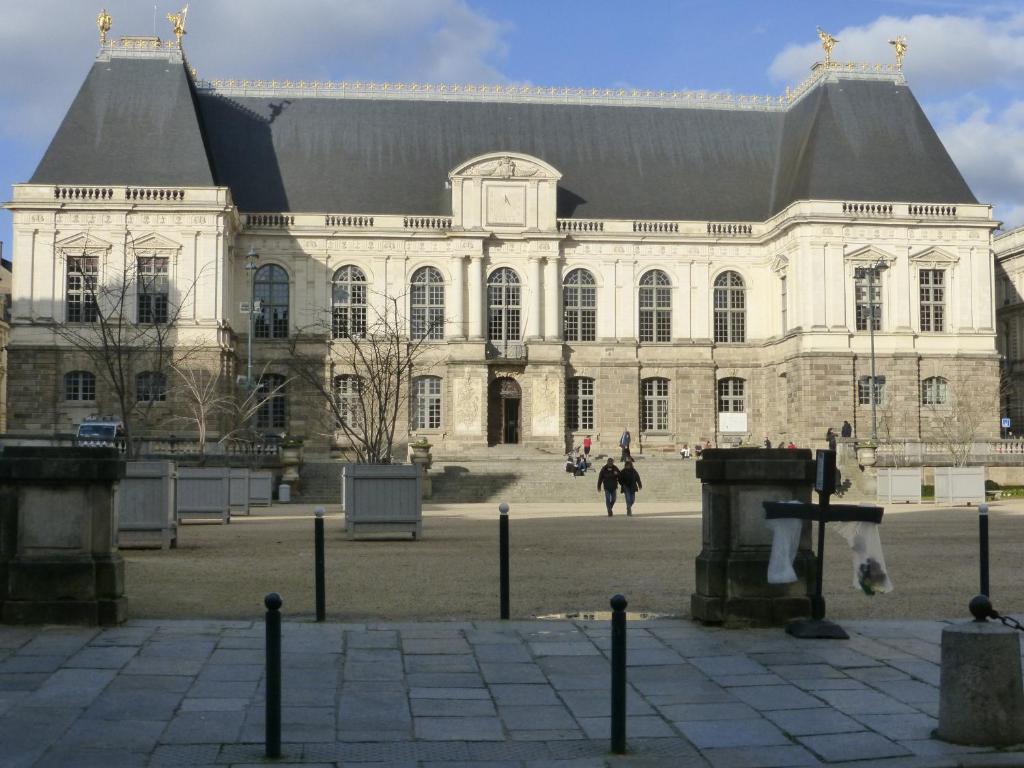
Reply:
x=206, y=401
x=123, y=318
x=960, y=412
x=360, y=369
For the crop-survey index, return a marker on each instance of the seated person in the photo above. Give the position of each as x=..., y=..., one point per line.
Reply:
x=684, y=452
x=581, y=466
x=698, y=449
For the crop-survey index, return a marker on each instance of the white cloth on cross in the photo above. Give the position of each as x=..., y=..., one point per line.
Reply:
x=785, y=543
x=869, y=571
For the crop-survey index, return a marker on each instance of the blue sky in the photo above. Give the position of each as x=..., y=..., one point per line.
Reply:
x=965, y=63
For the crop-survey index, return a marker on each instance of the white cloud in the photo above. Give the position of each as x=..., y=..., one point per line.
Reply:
x=946, y=52
x=47, y=46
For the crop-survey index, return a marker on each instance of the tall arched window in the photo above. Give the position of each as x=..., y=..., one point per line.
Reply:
x=655, y=307
x=732, y=395
x=80, y=386
x=427, y=402
x=579, y=302
x=427, y=304
x=81, y=289
x=348, y=302
x=150, y=387
x=730, y=308
x=654, y=405
x=270, y=288
x=346, y=396
x=503, y=296
x=579, y=404
x=272, y=411
x=934, y=391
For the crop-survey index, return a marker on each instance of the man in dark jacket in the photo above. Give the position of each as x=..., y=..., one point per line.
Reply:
x=629, y=479
x=847, y=430
x=608, y=479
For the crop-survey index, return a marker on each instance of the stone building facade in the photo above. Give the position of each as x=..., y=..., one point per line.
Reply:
x=1009, y=267
x=682, y=265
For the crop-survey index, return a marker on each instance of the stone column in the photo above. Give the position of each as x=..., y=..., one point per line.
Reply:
x=732, y=568
x=476, y=302
x=533, y=330
x=59, y=562
x=456, y=301
x=552, y=300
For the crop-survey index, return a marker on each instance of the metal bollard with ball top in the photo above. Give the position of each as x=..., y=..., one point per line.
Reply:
x=618, y=721
x=318, y=544
x=503, y=558
x=273, y=602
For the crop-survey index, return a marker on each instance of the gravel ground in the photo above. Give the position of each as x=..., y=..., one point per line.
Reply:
x=564, y=558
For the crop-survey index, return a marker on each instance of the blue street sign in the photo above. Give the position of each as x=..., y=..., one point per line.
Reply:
x=1004, y=423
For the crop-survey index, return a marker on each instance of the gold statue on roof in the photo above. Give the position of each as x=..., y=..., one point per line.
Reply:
x=828, y=42
x=900, y=45
x=178, y=22
x=103, y=23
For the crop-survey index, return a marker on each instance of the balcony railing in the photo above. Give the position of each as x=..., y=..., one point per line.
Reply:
x=506, y=350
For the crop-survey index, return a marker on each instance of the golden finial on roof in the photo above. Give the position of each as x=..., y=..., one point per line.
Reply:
x=828, y=42
x=900, y=45
x=178, y=22
x=103, y=23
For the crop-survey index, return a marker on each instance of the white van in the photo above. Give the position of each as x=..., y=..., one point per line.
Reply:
x=99, y=432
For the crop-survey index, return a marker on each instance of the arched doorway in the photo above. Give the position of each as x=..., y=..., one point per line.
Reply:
x=503, y=411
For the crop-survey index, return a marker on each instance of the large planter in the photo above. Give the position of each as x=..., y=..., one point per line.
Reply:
x=261, y=488
x=204, y=493
x=960, y=485
x=239, y=491
x=382, y=498
x=145, y=506
x=901, y=484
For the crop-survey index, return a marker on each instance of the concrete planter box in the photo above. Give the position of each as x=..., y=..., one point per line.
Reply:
x=382, y=498
x=261, y=488
x=899, y=484
x=146, y=506
x=239, y=491
x=204, y=493
x=960, y=485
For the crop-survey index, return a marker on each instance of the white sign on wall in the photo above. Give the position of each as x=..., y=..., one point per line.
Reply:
x=732, y=422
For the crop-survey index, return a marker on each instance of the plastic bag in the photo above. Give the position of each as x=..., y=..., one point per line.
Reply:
x=785, y=542
x=869, y=571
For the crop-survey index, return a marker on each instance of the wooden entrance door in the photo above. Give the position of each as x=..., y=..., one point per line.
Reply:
x=504, y=411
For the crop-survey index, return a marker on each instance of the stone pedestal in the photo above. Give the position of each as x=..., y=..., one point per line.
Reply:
x=732, y=568
x=981, y=698
x=421, y=456
x=59, y=562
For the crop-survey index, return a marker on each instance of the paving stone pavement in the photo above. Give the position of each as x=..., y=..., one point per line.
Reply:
x=497, y=694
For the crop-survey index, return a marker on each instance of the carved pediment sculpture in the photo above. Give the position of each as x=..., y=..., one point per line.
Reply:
x=506, y=166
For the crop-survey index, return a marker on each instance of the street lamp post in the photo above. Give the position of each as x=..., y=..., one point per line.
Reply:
x=871, y=273
x=253, y=259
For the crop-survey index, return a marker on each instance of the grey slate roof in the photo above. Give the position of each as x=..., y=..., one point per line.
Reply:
x=141, y=122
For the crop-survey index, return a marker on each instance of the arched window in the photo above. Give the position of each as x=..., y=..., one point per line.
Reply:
x=80, y=386
x=730, y=309
x=579, y=302
x=348, y=302
x=654, y=406
x=81, y=289
x=655, y=307
x=503, y=295
x=731, y=395
x=865, y=390
x=427, y=304
x=150, y=387
x=579, y=404
x=934, y=391
x=272, y=410
x=427, y=403
x=346, y=396
x=270, y=287
x=153, y=289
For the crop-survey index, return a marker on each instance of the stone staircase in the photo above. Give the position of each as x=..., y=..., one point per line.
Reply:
x=517, y=474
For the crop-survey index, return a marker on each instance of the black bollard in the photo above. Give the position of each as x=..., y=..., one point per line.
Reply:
x=321, y=590
x=983, y=546
x=273, y=715
x=619, y=675
x=503, y=557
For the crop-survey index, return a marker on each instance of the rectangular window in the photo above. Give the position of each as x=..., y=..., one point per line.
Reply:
x=428, y=403
x=865, y=303
x=933, y=298
x=81, y=289
x=580, y=405
x=654, y=413
x=865, y=390
x=153, y=289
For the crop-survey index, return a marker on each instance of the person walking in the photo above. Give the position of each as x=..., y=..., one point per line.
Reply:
x=830, y=437
x=608, y=480
x=624, y=441
x=629, y=481
x=586, y=448
x=846, y=430
x=767, y=443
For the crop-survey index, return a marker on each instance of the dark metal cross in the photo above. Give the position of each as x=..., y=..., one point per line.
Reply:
x=823, y=512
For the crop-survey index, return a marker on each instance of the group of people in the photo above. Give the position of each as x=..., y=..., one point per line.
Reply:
x=610, y=479
x=698, y=449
